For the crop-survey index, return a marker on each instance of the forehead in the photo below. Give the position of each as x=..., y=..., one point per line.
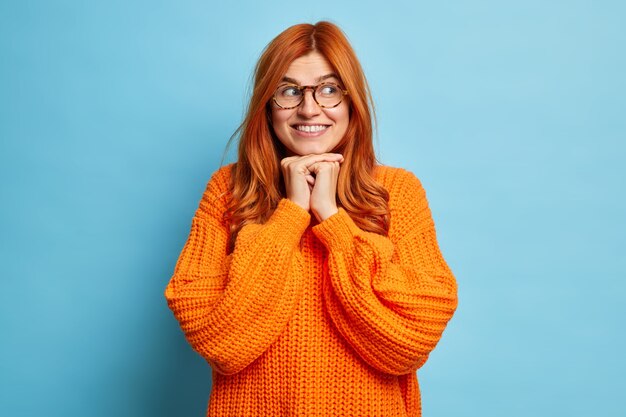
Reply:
x=308, y=68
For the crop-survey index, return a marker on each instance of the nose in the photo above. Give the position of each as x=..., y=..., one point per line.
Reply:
x=309, y=107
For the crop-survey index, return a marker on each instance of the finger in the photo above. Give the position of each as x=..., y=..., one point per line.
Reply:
x=317, y=167
x=306, y=165
x=329, y=156
x=310, y=179
x=325, y=157
x=286, y=162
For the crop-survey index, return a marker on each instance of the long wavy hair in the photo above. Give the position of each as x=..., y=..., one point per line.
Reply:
x=256, y=184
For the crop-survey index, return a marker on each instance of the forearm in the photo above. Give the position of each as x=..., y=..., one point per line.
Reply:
x=391, y=304
x=231, y=311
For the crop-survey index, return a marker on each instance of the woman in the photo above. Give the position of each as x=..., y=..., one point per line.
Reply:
x=312, y=281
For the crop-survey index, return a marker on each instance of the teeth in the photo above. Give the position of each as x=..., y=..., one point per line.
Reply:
x=315, y=128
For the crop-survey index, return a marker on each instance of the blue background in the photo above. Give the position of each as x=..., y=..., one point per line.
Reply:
x=114, y=114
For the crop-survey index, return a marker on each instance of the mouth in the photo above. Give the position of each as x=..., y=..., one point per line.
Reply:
x=304, y=128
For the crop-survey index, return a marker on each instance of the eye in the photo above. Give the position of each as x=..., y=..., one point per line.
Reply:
x=328, y=90
x=288, y=91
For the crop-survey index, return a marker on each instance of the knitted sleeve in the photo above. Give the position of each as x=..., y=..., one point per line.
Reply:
x=390, y=297
x=233, y=307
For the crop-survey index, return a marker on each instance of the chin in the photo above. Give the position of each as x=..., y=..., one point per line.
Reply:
x=310, y=149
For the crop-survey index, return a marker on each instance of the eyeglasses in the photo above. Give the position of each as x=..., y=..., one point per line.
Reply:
x=326, y=95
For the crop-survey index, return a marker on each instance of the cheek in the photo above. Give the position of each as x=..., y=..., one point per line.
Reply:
x=280, y=125
x=346, y=116
x=342, y=117
x=279, y=120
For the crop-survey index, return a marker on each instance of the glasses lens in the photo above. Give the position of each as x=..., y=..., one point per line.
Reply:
x=288, y=96
x=328, y=95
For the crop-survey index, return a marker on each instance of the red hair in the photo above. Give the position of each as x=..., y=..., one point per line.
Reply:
x=256, y=182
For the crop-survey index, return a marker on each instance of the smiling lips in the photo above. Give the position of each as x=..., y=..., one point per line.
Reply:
x=310, y=130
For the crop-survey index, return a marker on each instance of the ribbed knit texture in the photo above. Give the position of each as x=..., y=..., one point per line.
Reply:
x=314, y=319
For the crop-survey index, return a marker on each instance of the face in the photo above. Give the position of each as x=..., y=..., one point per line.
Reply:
x=309, y=128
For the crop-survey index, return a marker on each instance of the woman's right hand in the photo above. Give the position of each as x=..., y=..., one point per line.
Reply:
x=299, y=180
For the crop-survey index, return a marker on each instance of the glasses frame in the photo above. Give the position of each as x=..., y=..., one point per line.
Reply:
x=313, y=88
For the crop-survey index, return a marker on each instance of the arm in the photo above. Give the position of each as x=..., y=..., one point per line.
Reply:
x=390, y=297
x=233, y=307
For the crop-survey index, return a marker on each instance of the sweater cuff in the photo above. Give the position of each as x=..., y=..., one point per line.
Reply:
x=337, y=231
x=290, y=218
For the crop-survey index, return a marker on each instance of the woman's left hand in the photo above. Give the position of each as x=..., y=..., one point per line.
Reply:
x=324, y=192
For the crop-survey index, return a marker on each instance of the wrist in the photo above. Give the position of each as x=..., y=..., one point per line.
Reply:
x=299, y=203
x=325, y=213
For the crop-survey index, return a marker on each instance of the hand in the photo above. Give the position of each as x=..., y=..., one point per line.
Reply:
x=299, y=178
x=324, y=193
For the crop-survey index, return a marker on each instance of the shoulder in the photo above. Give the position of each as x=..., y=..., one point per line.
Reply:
x=408, y=205
x=217, y=191
x=397, y=181
x=223, y=173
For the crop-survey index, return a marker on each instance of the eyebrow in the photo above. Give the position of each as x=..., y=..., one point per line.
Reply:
x=323, y=77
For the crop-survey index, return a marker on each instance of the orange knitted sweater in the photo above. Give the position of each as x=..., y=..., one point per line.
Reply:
x=314, y=319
